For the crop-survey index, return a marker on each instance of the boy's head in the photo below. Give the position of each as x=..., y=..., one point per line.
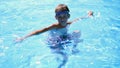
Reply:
x=61, y=7
x=62, y=13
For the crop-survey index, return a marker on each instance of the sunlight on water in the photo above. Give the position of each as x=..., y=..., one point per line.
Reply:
x=100, y=47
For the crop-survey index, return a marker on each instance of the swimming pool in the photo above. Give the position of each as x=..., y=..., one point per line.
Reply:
x=101, y=34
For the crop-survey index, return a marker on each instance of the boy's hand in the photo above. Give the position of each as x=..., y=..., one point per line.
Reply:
x=19, y=39
x=90, y=13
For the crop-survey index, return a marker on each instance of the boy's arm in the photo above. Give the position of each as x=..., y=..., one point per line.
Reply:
x=90, y=13
x=36, y=33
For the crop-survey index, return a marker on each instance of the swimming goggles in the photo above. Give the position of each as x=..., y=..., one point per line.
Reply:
x=62, y=12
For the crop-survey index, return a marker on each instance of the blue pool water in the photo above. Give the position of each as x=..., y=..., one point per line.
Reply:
x=101, y=34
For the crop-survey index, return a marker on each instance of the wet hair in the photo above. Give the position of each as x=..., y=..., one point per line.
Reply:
x=61, y=8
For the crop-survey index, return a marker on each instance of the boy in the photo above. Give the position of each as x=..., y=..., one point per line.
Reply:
x=58, y=31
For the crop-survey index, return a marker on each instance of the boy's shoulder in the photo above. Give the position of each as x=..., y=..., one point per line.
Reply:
x=69, y=22
x=54, y=25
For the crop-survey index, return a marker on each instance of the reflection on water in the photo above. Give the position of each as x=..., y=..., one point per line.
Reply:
x=100, y=48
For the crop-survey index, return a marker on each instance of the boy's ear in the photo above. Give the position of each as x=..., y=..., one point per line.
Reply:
x=68, y=15
x=55, y=17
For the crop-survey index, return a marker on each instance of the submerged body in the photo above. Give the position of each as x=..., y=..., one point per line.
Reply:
x=57, y=36
x=60, y=39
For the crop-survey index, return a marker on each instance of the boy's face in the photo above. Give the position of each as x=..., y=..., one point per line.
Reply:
x=62, y=18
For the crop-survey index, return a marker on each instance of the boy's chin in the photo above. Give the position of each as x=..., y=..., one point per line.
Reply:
x=63, y=24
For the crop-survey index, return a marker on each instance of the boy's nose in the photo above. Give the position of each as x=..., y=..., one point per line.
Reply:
x=62, y=18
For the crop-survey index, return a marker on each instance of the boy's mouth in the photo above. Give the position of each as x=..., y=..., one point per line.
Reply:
x=63, y=21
